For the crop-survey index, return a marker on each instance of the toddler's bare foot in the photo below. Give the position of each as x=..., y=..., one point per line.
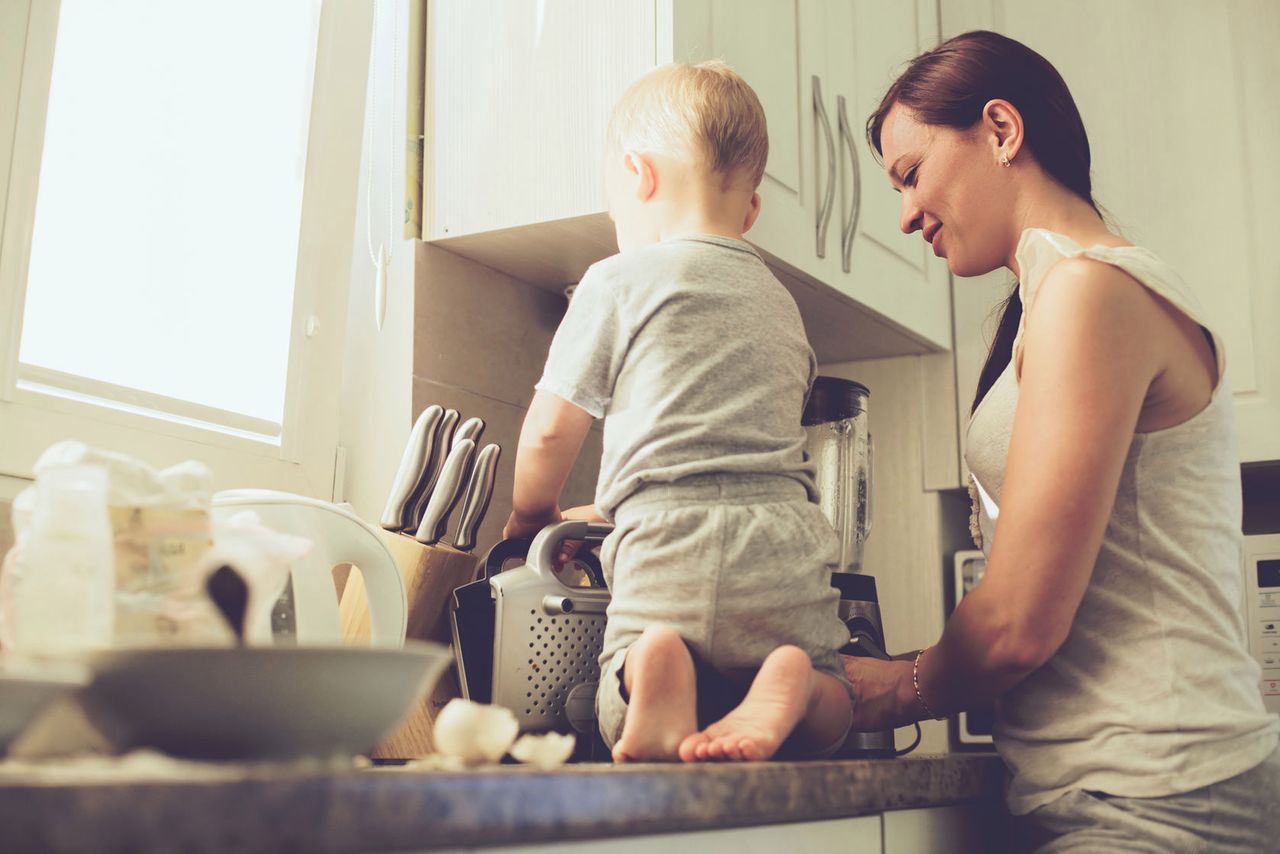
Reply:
x=662, y=711
x=778, y=699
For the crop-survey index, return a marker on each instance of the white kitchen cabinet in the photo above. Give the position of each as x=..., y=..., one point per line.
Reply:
x=859, y=835
x=777, y=46
x=820, y=68
x=517, y=106
x=896, y=274
x=518, y=95
x=1183, y=132
x=959, y=829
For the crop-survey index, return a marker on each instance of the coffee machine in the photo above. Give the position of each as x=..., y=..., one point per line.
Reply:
x=838, y=443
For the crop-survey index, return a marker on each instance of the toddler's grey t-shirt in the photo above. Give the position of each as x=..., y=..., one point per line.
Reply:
x=695, y=356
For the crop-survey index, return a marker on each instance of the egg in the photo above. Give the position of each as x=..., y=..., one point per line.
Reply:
x=473, y=732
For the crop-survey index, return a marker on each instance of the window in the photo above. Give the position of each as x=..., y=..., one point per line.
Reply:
x=177, y=230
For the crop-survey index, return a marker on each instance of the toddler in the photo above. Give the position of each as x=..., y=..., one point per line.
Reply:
x=722, y=629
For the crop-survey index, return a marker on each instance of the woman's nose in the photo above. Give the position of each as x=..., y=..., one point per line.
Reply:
x=912, y=217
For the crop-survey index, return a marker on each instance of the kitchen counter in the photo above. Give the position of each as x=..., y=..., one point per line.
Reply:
x=223, y=808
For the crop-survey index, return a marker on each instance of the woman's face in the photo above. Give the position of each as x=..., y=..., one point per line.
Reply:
x=954, y=190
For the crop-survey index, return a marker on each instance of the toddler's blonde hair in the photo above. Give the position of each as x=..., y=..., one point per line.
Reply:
x=704, y=111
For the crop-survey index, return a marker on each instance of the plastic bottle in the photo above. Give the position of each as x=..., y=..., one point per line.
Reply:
x=65, y=598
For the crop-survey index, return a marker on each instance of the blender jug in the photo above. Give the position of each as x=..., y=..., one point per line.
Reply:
x=840, y=448
x=838, y=444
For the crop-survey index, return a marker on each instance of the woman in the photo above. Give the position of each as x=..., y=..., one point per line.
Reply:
x=1107, y=626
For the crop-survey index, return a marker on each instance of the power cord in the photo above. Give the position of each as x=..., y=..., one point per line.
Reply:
x=914, y=744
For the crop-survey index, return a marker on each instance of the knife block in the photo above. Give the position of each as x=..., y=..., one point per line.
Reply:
x=430, y=574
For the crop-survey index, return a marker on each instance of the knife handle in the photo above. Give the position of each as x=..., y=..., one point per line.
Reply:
x=471, y=429
x=445, y=494
x=441, y=447
x=413, y=463
x=476, y=501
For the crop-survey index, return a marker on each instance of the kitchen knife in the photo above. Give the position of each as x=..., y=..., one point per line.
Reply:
x=432, y=455
x=445, y=494
x=440, y=452
x=476, y=500
x=414, y=463
x=471, y=429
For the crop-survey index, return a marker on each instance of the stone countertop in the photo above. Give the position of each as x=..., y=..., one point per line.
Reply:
x=388, y=808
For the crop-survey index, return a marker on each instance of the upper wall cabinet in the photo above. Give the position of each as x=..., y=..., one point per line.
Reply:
x=895, y=273
x=820, y=68
x=519, y=95
x=771, y=45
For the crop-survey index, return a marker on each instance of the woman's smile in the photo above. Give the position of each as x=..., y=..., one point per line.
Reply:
x=935, y=240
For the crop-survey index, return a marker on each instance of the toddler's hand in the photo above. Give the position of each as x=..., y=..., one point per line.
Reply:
x=526, y=526
x=584, y=512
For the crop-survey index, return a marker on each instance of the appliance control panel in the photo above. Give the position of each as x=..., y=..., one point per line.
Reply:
x=973, y=726
x=1262, y=611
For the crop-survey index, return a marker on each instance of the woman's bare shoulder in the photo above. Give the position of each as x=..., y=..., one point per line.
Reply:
x=1087, y=306
x=1094, y=285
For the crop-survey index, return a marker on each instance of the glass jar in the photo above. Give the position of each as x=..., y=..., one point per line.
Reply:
x=65, y=592
x=839, y=445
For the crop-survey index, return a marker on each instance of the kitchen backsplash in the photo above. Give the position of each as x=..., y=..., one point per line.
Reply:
x=479, y=342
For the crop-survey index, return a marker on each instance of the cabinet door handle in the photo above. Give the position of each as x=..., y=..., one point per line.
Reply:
x=855, y=200
x=829, y=195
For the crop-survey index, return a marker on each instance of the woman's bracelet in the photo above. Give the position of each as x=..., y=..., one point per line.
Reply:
x=915, y=680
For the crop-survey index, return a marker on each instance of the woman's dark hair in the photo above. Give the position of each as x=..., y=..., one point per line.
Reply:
x=950, y=85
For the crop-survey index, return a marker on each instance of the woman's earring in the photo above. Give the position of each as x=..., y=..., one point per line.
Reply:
x=1004, y=160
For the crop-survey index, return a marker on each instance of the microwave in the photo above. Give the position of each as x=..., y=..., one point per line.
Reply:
x=970, y=729
x=1261, y=610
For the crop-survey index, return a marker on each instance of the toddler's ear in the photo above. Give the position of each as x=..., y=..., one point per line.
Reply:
x=753, y=211
x=644, y=173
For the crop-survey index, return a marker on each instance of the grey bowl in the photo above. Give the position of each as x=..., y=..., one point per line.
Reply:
x=268, y=703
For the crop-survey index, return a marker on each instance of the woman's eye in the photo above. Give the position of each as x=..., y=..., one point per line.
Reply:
x=910, y=178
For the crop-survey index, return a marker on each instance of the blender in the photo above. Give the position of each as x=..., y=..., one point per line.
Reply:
x=839, y=445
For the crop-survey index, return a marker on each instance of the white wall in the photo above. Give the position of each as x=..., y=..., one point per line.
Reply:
x=377, y=378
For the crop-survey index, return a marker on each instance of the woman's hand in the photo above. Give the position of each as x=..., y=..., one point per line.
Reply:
x=886, y=695
x=569, y=548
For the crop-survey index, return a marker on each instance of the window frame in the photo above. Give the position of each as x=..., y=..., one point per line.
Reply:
x=39, y=407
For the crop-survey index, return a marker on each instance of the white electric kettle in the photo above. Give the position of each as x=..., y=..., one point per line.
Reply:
x=338, y=536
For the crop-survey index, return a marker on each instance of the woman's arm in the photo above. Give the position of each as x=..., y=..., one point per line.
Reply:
x=1089, y=360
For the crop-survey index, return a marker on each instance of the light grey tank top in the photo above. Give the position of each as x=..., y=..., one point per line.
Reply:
x=1154, y=691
